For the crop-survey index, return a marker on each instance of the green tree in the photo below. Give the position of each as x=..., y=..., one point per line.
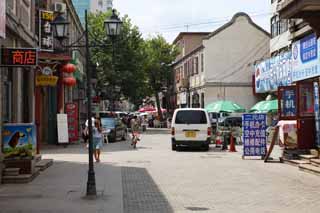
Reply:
x=122, y=62
x=159, y=57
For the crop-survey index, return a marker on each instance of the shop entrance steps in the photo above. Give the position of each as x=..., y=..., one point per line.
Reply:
x=305, y=160
x=20, y=178
x=44, y=164
x=310, y=169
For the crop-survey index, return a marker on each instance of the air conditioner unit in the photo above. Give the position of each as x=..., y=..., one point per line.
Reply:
x=292, y=26
x=60, y=7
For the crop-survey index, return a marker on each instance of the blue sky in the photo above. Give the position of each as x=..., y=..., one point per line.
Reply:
x=169, y=17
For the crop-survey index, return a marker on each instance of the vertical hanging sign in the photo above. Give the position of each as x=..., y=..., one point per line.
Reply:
x=45, y=30
x=316, y=112
x=3, y=19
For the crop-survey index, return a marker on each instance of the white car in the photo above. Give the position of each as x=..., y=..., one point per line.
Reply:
x=191, y=127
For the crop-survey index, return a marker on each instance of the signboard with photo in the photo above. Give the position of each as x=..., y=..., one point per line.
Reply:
x=19, y=140
x=45, y=30
x=273, y=73
x=305, y=58
x=3, y=19
x=254, y=134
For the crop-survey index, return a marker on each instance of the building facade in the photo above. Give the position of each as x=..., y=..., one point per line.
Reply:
x=188, y=69
x=101, y=5
x=218, y=66
x=228, y=60
x=17, y=83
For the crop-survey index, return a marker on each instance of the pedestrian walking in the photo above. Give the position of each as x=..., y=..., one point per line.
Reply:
x=97, y=139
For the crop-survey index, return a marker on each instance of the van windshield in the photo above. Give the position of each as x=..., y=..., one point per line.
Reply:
x=191, y=117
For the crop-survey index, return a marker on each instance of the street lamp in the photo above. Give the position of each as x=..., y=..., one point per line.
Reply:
x=60, y=28
x=113, y=29
x=113, y=25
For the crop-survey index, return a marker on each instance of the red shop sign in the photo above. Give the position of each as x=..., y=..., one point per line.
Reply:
x=73, y=122
x=19, y=57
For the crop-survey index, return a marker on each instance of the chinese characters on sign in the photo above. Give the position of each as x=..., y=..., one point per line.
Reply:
x=273, y=72
x=45, y=31
x=72, y=113
x=254, y=134
x=288, y=103
x=19, y=57
x=2, y=19
x=305, y=58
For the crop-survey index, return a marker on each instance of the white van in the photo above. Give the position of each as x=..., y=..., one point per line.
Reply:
x=191, y=127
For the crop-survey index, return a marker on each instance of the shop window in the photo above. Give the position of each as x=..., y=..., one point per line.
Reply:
x=202, y=100
x=202, y=63
x=288, y=102
x=306, y=99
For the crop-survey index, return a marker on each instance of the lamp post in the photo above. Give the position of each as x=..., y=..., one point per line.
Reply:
x=113, y=28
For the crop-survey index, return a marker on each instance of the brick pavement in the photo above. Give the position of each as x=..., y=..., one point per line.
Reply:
x=152, y=178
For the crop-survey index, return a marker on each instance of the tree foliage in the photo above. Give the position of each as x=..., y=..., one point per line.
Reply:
x=139, y=67
x=121, y=62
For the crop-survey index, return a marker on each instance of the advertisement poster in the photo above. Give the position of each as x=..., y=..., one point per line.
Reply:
x=273, y=72
x=62, y=124
x=3, y=19
x=46, y=32
x=254, y=134
x=316, y=112
x=73, y=121
x=305, y=58
x=19, y=140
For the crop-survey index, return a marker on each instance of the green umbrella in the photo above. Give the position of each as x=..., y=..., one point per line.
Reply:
x=265, y=106
x=224, y=106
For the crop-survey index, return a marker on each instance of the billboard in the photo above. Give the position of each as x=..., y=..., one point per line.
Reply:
x=3, y=19
x=254, y=128
x=305, y=58
x=273, y=72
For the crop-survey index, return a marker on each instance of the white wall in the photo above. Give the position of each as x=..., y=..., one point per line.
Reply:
x=229, y=57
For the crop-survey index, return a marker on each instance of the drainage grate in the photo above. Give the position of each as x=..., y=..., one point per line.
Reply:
x=195, y=209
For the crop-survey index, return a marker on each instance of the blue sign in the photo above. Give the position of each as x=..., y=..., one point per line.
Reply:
x=316, y=111
x=254, y=134
x=289, y=108
x=305, y=58
x=273, y=72
x=308, y=48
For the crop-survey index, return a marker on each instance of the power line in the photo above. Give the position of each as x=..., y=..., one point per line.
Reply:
x=210, y=21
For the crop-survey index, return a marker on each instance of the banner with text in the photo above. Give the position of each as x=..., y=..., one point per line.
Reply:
x=273, y=72
x=305, y=58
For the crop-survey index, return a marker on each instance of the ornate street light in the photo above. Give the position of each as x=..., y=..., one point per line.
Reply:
x=113, y=29
x=60, y=27
x=113, y=25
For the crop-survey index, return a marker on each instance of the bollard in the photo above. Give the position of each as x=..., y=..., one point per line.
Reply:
x=232, y=144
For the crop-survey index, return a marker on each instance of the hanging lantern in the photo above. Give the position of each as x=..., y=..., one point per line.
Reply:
x=69, y=68
x=69, y=81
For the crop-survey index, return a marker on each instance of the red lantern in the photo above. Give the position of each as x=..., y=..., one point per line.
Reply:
x=69, y=68
x=69, y=81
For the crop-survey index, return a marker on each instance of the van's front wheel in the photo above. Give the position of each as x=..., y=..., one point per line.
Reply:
x=173, y=147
